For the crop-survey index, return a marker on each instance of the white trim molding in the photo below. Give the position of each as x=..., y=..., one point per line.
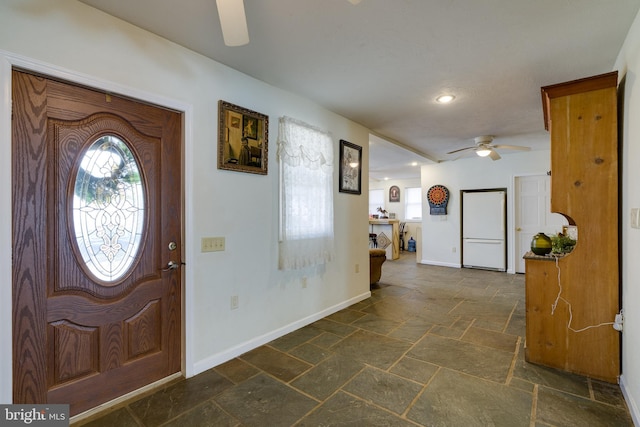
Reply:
x=229, y=354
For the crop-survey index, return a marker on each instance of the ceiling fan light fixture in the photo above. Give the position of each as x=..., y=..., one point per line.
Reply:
x=233, y=22
x=445, y=99
x=483, y=152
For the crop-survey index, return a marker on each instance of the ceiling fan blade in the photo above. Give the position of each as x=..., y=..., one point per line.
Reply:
x=494, y=155
x=233, y=22
x=461, y=149
x=512, y=147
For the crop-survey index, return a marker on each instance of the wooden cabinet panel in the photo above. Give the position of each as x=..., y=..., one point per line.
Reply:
x=582, y=119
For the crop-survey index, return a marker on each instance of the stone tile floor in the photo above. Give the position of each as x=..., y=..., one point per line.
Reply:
x=433, y=346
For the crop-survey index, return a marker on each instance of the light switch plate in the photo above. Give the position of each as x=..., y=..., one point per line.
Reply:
x=212, y=244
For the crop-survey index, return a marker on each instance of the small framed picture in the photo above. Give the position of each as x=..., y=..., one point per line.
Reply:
x=350, y=168
x=394, y=193
x=243, y=139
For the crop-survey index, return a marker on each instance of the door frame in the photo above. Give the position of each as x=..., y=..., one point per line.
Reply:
x=9, y=61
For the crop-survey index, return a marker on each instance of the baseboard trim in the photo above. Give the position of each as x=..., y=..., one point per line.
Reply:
x=225, y=356
x=631, y=402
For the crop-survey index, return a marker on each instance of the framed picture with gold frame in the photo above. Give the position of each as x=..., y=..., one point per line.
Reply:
x=243, y=139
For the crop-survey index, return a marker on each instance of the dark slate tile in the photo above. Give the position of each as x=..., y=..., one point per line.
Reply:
x=411, y=330
x=207, y=414
x=492, y=315
x=236, y=370
x=343, y=410
x=374, y=349
x=326, y=340
x=456, y=399
x=550, y=377
x=328, y=376
x=608, y=393
x=310, y=353
x=346, y=316
x=263, y=401
x=295, y=338
x=521, y=384
x=473, y=359
x=361, y=305
x=376, y=324
x=445, y=331
x=493, y=339
x=391, y=291
x=276, y=363
x=410, y=309
x=562, y=409
x=334, y=327
x=414, y=369
x=517, y=324
x=385, y=390
x=176, y=399
x=121, y=418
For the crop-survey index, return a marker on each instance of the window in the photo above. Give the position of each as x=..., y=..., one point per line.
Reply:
x=108, y=208
x=413, y=203
x=376, y=200
x=305, y=155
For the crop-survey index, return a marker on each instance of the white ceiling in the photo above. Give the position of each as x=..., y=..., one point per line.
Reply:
x=382, y=63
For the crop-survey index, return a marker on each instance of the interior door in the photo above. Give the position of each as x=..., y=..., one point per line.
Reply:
x=533, y=214
x=97, y=220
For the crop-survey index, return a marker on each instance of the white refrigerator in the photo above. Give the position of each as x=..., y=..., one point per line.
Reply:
x=484, y=230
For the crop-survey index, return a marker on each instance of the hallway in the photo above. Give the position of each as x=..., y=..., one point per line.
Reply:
x=433, y=346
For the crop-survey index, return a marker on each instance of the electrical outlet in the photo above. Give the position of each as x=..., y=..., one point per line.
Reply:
x=304, y=282
x=619, y=320
x=212, y=244
x=234, y=302
x=357, y=268
x=453, y=249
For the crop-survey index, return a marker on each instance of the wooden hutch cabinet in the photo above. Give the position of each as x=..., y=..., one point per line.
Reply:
x=581, y=288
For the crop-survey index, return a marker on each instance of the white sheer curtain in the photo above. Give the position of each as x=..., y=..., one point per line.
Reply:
x=306, y=195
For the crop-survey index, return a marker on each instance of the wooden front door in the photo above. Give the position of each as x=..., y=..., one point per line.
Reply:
x=96, y=220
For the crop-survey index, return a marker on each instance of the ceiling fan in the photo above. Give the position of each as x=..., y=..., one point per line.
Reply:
x=484, y=147
x=234, y=21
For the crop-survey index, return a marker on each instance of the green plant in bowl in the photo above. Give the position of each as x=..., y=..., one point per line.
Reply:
x=561, y=244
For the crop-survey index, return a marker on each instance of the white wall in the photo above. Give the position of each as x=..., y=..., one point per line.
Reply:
x=628, y=65
x=398, y=207
x=441, y=233
x=75, y=41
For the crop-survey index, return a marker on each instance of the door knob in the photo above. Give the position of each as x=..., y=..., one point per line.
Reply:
x=171, y=265
x=518, y=229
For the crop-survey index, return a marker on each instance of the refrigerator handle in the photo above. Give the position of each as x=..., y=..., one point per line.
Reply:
x=502, y=210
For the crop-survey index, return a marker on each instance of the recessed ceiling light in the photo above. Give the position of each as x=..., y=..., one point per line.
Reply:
x=414, y=164
x=386, y=178
x=445, y=99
